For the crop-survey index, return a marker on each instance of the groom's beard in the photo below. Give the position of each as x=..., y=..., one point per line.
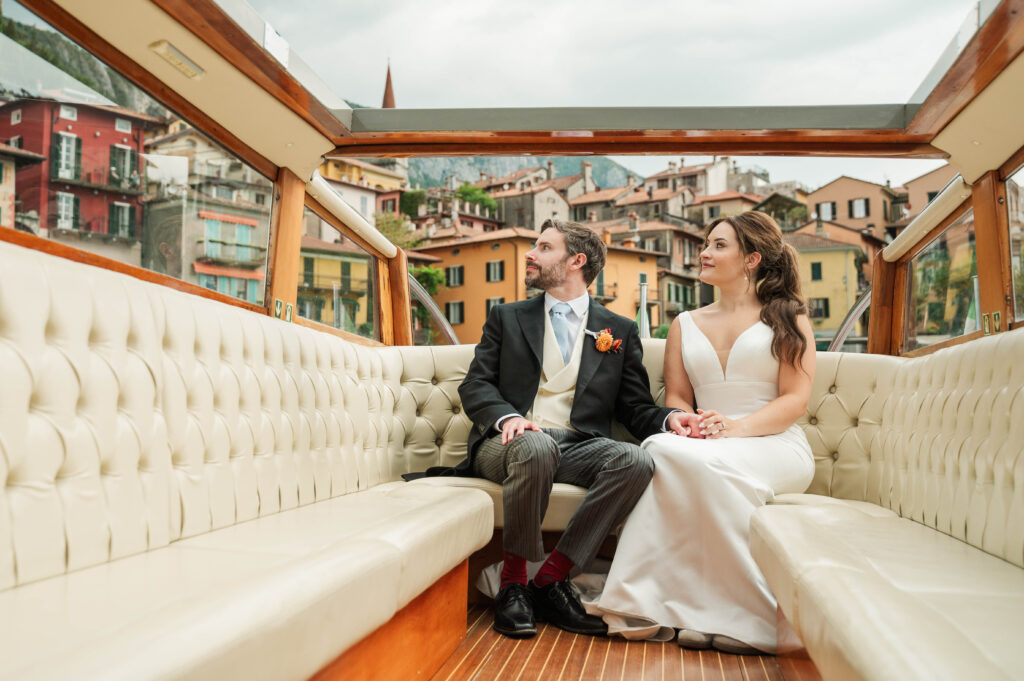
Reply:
x=546, y=277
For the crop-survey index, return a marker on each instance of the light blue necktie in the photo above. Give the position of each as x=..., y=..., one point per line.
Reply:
x=560, y=324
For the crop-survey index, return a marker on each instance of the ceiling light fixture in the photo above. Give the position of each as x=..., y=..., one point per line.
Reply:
x=176, y=58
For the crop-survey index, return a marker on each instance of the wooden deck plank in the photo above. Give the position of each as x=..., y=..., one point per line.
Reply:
x=555, y=655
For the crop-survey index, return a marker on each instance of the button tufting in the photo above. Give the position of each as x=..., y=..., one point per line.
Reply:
x=439, y=441
x=456, y=409
x=433, y=381
x=832, y=389
x=813, y=420
x=856, y=422
x=835, y=456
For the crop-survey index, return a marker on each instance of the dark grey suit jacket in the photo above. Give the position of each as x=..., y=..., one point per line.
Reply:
x=506, y=369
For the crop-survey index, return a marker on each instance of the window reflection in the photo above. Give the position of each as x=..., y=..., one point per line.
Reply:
x=1015, y=215
x=338, y=280
x=90, y=160
x=942, y=295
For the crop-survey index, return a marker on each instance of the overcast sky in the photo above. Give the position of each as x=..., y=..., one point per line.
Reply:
x=496, y=53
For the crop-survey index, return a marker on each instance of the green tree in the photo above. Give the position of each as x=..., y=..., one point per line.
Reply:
x=660, y=331
x=396, y=229
x=472, y=194
x=430, y=277
x=411, y=202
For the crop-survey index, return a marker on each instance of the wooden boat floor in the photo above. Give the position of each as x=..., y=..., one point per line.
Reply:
x=556, y=655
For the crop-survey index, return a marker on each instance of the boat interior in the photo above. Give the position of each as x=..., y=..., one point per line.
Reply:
x=201, y=484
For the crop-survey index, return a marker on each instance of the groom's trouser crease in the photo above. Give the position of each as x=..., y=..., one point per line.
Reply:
x=614, y=473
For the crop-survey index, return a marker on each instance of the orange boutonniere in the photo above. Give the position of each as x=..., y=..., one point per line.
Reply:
x=604, y=341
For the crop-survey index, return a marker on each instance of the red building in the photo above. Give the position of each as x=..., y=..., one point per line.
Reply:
x=89, y=183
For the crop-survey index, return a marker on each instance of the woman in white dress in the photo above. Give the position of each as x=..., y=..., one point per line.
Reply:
x=743, y=368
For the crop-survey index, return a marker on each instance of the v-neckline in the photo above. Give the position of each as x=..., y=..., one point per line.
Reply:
x=724, y=368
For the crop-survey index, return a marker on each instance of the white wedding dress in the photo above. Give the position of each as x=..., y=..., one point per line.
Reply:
x=683, y=560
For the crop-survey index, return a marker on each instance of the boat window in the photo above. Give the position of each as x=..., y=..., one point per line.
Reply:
x=105, y=168
x=1015, y=221
x=337, y=280
x=942, y=288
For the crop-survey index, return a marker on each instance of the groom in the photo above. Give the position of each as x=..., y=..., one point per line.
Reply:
x=542, y=392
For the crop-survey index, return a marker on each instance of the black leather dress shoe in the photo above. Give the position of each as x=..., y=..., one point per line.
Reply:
x=513, y=612
x=558, y=604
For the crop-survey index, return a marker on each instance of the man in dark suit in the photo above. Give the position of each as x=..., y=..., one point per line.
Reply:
x=541, y=392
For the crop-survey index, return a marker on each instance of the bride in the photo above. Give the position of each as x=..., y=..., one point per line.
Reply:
x=742, y=367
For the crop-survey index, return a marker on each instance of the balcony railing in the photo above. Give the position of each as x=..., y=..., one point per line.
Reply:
x=96, y=176
x=96, y=227
x=324, y=282
x=229, y=253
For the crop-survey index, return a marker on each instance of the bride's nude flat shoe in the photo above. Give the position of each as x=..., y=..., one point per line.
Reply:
x=694, y=640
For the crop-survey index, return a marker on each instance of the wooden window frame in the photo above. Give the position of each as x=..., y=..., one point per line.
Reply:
x=1006, y=171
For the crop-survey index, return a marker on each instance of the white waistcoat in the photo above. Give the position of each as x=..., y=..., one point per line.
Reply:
x=553, y=404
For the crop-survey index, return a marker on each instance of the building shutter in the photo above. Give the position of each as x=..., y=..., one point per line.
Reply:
x=131, y=222
x=867, y=208
x=111, y=219
x=834, y=214
x=115, y=172
x=55, y=157
x=78, y=158
x=849, y=207
x=75, y=213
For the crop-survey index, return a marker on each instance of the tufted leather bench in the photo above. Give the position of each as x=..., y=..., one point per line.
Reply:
x=191, y=490
x=905, y=559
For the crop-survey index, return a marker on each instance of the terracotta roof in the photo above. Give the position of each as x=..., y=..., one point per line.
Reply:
x=863, y=232
x=8, y=150
x=510, y=178
x=600, y=195
x=812, y=242
x=497, y=235
x=642, y=196
x=682, y=171
x=120, y=110
x=856, y=179
x=564, y=182
x=641, y=251
x=421, y=257
x=729, y=196
x=532, y=189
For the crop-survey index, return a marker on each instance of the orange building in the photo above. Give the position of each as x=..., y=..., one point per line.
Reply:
x=487, y=269
x=856, y=203
x=923, y=188
x=868, y=243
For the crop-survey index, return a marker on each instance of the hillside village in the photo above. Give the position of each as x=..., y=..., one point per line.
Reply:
x=149, y=189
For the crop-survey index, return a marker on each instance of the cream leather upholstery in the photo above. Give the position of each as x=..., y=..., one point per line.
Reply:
x=160, y=456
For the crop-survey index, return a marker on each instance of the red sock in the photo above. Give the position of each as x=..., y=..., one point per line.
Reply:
x=513, y=571
x=555, y=569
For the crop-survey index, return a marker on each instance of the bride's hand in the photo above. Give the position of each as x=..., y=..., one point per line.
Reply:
x=714, y=425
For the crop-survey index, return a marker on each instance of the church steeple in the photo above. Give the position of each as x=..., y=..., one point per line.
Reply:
x=389, y=92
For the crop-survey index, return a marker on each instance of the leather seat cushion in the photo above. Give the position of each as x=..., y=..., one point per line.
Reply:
x=876, y=596
x=274, y=598
x=564, y=500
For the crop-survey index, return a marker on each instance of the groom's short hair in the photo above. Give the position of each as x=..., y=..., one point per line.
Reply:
x=580, y=239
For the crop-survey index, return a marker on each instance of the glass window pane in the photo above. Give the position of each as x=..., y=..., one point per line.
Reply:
x=109, y=170
x=338, y=284
x=1015, y=213
x=942, y=290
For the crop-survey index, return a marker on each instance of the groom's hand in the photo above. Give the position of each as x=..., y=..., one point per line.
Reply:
x=683, y=423
x=516, y=425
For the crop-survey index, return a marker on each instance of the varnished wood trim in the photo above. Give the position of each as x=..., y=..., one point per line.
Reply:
x=883, y=279
x=401, y=303
x=959, y=340
x=900, y=292
x=213, y=26
x=61, y=250
x=1012, y=165
x=332, y=219
x=415, y=642
x=344, y=335
x=996, y=44
x=285, y=241
x=992, y=246
x=63, y=21
x=712, y=143
x=384, y=305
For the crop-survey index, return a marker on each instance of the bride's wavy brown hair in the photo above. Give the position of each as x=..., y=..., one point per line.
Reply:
x=776, y=280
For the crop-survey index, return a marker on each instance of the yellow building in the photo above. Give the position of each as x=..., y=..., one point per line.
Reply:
x=488, y=269
x=704, y=209
x=354, y=171
x=336, y=286
x=829, y=282
x=12, y=158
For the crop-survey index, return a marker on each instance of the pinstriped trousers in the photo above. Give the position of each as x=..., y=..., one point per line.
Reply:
x=614, y=473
